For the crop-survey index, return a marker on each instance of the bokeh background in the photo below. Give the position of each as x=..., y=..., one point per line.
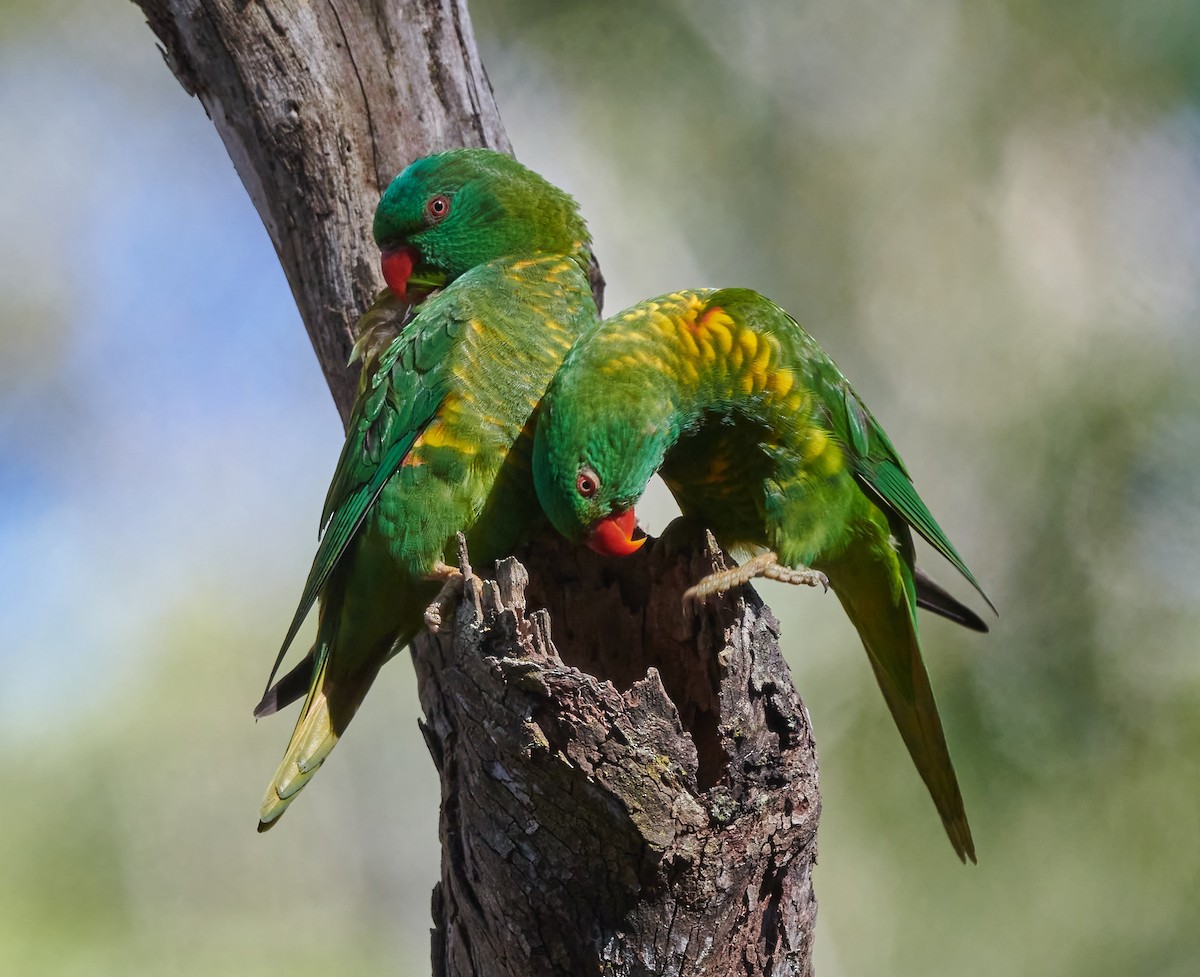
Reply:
x=988, y=211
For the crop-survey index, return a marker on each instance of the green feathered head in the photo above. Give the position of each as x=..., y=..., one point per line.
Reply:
x=447, y=213
x=601, y=435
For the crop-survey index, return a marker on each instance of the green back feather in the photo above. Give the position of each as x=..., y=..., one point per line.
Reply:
x=392, y=410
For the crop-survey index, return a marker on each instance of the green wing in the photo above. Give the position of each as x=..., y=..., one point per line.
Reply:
x=394, y=406
x=878, y=467
x=873, y=458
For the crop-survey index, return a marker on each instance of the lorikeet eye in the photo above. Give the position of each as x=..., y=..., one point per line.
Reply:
x=587, y=482
x=437, y=208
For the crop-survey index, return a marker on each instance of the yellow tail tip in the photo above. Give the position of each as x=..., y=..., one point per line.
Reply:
x=273, y=805
x=310, y=744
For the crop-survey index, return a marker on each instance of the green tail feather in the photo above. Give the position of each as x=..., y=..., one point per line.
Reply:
x=878, y=595
x=327, y=711
x=311, y=741
x=294, y=685
x=931, y=596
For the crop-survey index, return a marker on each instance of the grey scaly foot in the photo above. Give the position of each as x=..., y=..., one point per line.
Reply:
x=764, y=565
x=797, y=575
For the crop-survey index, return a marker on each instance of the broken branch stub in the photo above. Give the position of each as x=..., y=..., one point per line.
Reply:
x=636, y=787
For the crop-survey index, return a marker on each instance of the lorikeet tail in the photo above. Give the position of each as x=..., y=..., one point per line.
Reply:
x=294, y=685
x=931, y=596
x=876, y=588
x=326, y=712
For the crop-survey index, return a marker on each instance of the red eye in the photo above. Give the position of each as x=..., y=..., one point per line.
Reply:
x=586, y=483
x=437, y=208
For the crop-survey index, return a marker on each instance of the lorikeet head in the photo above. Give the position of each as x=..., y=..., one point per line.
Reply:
x=589, y=486
x=447, y=213
x=598, y=441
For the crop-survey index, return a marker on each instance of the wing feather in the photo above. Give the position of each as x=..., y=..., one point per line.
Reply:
x=394, y=407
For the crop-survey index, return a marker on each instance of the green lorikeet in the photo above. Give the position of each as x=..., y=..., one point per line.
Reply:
x=493, y=260
x=761, y=439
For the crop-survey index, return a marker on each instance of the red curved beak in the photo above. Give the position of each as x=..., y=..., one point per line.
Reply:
x=613, y=535
x=397, y=269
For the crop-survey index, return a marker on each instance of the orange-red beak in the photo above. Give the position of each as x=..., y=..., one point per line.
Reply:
x=397, y=269
x=613, y=535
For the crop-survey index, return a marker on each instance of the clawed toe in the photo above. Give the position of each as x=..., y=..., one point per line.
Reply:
x=799, y=575
x=441, y=608
x=764, y=565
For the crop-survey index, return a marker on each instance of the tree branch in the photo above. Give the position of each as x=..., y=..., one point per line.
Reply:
x=320, y=105
x=625, y=790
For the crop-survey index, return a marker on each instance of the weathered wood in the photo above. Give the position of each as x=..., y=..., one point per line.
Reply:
x=589, y=825
x=625, y=790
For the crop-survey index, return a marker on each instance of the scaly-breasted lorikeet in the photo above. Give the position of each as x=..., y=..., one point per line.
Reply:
x=495, y=260
x=761, y=439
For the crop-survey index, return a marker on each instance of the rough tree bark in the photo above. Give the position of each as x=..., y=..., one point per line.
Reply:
x=626, y=789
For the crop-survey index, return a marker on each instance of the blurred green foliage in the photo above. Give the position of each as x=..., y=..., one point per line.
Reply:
x=989, y=213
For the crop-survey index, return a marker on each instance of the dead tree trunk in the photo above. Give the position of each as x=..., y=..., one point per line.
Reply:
x=626, y=789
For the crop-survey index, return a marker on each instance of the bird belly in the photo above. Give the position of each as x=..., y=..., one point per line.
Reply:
x=732, y=476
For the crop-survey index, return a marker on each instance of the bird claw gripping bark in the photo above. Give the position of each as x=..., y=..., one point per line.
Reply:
x=764, y=565
x=441, y=608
